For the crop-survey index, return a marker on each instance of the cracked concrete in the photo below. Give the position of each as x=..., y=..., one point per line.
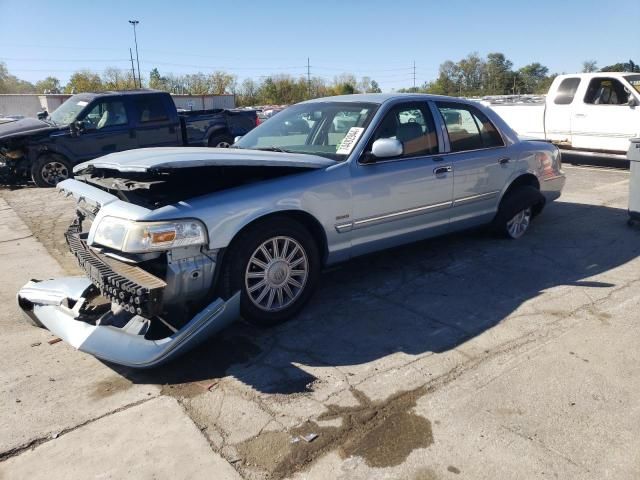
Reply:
x=522, y=355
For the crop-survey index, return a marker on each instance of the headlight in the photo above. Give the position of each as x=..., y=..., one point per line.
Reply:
x=138, y=237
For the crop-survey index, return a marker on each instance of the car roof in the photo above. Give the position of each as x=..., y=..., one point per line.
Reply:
x=597, y=74
x=381, y=98
x=137, y=91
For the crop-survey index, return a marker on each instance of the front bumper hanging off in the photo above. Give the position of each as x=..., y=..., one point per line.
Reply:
x=57, y=305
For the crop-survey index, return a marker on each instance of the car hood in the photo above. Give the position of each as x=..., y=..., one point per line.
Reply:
x=25, y=126
x=148, y=159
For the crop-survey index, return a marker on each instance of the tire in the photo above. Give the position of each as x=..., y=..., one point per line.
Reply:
x=49, y=169
x=220, y=141
x=287, y=284
x=516, y=211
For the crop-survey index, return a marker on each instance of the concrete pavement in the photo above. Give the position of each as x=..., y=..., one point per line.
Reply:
x=459, y=357
x=61, y=409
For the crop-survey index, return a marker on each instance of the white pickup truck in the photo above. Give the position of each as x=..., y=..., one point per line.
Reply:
x=587, y=113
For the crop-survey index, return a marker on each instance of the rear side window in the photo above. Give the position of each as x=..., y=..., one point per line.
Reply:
x=151, y=109
x=468, y=128
x=566, y=91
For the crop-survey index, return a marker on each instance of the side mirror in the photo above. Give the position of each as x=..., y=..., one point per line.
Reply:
x=633, y=102
x=386, y=148
x=237, y=139
x=42, y=115
x=76, y=128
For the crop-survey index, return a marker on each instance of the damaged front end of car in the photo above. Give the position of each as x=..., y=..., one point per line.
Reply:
x=148, y=293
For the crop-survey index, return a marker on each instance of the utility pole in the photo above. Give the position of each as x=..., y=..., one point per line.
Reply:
x=135, y=38
x=133, y=70
x=308, y=78
x=414, y=74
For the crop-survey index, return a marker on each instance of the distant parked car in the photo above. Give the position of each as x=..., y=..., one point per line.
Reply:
x=90, y=125
x=177, y=243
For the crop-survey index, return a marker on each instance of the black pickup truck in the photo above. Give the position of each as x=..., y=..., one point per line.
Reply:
x=89, y=125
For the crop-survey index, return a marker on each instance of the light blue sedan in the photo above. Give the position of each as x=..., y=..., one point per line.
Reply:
x=177, y=243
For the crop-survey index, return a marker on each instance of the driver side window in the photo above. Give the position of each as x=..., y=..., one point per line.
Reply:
x=412, y=124
x=108, y=113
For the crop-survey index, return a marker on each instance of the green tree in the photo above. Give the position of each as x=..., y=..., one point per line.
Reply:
x=248, y=94
x=221, y=83
x=49, y=85
x=448, y=81
x=84, y=81
x=116, y=79
x=471, y=69
x=497, y=74
x=12, y=84
x=158, y=82
x=629, y=66
x=531, y=77
x=374, y=87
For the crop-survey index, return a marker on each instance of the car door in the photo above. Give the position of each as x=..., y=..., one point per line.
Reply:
x=604, y=120
x=156, y=124
x=405, y=198
x=105, y=129
x=480, y=161
x=558, y=112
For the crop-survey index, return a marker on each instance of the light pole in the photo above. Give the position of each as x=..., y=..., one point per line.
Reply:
x=135, y=38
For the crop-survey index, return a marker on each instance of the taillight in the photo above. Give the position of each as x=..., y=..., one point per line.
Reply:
x=257, y=120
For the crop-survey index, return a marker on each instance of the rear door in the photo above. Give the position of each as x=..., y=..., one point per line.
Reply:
x=480, y=161
x=156, y=121
x=560, y=110
x=401, y=199
x=106, y=129
x=604, y=120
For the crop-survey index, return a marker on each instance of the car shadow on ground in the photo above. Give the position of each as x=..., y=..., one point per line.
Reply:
x=426, y=297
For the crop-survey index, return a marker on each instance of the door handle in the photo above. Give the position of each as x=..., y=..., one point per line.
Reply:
x=504, y=161
x=437, y=159
x=132, y=133
x=442, y=170
x=580, y=115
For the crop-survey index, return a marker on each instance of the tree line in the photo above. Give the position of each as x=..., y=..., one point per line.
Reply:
x=471, y=76
x=495, y=75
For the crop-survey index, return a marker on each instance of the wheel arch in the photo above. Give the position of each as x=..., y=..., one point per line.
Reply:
x=217, y=130
x=524, y=179
x=306, y=219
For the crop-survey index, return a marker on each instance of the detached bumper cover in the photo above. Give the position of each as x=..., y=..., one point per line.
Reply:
x=56, y=305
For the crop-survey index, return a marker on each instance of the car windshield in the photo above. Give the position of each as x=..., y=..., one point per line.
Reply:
x=634, y=80
x=328, y=129
x=68, y=111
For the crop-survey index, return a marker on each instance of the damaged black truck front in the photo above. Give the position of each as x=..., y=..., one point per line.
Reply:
x=90, y=125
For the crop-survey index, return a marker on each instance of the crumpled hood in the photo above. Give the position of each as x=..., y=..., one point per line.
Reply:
x=24, y=126
x=166, y=158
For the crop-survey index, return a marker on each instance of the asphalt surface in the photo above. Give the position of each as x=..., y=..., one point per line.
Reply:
x=465, y=356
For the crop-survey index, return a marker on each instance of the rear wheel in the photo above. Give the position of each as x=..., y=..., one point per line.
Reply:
x=275, y=264
x=516, y=211
x=220, y=141
x=50, y=169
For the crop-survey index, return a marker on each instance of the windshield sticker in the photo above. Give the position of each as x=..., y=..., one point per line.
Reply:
x=82, y=103
x=349, y=141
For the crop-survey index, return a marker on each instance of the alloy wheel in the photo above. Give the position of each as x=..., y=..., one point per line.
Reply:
x=276, y=273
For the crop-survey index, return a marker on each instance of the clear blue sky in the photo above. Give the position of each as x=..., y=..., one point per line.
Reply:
x=256, y=38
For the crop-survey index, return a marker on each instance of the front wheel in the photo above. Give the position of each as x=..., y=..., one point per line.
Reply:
x=275, y=265
x=49, y=170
